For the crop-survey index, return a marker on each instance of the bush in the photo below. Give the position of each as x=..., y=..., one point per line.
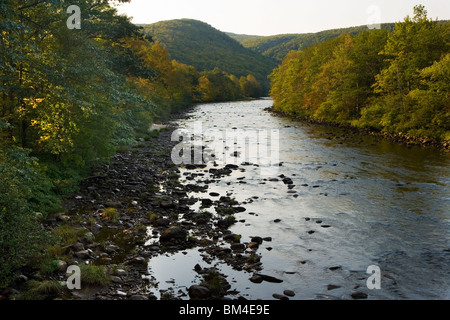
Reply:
x=21, y=237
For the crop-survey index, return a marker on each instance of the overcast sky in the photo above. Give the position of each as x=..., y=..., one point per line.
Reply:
x=269, y=17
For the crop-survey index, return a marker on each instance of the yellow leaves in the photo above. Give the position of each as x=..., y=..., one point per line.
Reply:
x=43, y=138
x=33, y=102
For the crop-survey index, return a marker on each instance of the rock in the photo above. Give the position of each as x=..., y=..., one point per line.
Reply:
x=280, y=296
x=231, y=237
x=359, y=295
x=121, y=273
x=277, y=220
x=334, y=268
x=89, y=237
x=121, y=293
x=257, y=239
x=206, y=202
x=332, y=287
x=96, y=228
x=161, y=222
x=253, y=245
x=256, y=278
x=199, y=292
x=78, y=246
x=83, y=254
x=198, y=268
x=138, y=297
x=111, y=248
x=116, y=279
x=289, y=293
x=173, y=232
x=270, y=279
x=237, y=246
x=61, y=265
x=138, y=261
x=167, y=204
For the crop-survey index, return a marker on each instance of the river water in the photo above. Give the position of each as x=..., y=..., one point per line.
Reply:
x=355, y=201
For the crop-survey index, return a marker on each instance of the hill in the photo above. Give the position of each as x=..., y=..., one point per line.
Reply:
x=278, y=46
x=200, y=45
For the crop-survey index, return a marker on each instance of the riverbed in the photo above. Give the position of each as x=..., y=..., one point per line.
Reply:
x=332, y=204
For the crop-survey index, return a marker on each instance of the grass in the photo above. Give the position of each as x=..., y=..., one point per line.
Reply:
x=47, y=287
x=230, y=219
x=110, y=214
x=94, y=275
x=68, y=234
x=215, y=282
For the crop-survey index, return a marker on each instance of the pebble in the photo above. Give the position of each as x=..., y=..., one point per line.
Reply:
x=359, y=295
x=138, y=297
x=289, y=293
x=280, y=296
x=121, y=293
x=332, y=287
x=334, y=268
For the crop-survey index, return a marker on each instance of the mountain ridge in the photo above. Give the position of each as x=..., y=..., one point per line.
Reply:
x=199, y=44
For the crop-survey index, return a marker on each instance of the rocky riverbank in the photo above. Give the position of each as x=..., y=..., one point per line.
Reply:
x=407, y=140
x=131, y=210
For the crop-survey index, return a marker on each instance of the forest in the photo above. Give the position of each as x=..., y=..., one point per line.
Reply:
x=278, y=46
x=204, y=47
x=395, y=82
x=70, y=98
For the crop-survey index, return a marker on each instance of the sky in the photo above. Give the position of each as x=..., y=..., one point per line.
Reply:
x=270, y=17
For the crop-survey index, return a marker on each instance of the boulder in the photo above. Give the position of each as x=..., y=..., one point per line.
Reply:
x=199, y=292
x=173, y=232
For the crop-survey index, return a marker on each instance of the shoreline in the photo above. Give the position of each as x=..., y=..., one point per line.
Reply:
x=129, y=211
x=409, y=141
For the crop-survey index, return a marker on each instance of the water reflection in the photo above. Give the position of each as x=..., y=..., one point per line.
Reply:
x=383, y=203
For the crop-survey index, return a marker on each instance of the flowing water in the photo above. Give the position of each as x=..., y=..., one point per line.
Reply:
x=357, y=201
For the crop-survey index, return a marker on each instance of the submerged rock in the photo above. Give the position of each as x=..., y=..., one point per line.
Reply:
x=199, y=292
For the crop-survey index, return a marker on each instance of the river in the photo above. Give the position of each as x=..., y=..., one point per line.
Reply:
x=353, y=202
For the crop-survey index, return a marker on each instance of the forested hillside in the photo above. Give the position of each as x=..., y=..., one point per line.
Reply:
x=278, y=46
x=396, y=82
x=200, y=45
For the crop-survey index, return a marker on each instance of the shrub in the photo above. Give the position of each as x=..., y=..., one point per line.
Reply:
x=20, y=234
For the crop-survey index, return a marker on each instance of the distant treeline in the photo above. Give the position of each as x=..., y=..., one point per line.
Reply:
x=278, y=46
x=397, y=82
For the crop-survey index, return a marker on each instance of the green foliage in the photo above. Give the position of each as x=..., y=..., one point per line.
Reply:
x=70, y=98
x=94, y=275
x=198, y=44
x=20, y=234
x=395, y=82
x=278, y=46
